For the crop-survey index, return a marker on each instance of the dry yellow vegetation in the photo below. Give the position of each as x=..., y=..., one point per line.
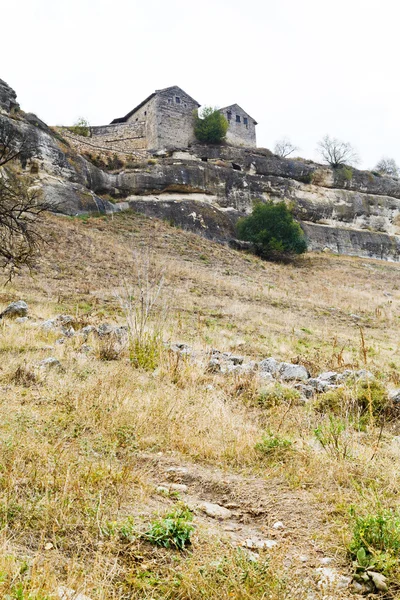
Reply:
x=84, y=447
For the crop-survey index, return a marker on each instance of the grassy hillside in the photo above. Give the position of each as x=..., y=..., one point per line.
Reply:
x=94, y=451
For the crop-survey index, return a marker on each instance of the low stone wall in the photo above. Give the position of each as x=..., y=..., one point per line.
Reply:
x=106, y=144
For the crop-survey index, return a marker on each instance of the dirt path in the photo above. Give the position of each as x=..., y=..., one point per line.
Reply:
x=257, y=513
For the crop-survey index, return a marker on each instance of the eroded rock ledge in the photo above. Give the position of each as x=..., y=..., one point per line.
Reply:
x=207, y=188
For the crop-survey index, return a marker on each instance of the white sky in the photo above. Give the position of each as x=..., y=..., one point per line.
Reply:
x=301, y=68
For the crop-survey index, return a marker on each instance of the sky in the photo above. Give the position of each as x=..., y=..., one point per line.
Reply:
x=301, y=68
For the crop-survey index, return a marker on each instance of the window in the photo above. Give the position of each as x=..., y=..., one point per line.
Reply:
x=229, y=115
x=185, y=105
x=237, y=118
x=169, y=100
x=177, y=100
x=145, y=112
x=245, y=121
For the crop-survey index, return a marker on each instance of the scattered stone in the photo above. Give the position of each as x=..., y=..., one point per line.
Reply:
x=394, y=396
x=307, y=391
x=215, y=511
x=85, y=348
x=278, y=525
x=60, y=340
x=50, y=363
x=177, y=470
x=289, y=372
x=329, y=377
x=65, y=593
x=260, y=544
x=269, y=365
x=379, y=581
x=265, y=376
x=162, y=489
x=181, y=348
x=69, y=332
x=104, y=329
x=48, y=546
x=86, y=331
x=15, y=309
x=326, y=560
x=179, y=487
x=21, y=319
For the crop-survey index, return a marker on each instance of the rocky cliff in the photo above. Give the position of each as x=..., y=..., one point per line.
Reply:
x=207, y=188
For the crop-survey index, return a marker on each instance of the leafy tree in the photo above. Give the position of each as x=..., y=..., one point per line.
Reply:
x=81, y=127
x=284, y=148
x=273, y=231
x=21, y=203
x=335, y=152
x=387, y=166
x=211, y=126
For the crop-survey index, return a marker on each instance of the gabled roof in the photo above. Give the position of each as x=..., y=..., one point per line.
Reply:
x=237, y=108
x=132, y=112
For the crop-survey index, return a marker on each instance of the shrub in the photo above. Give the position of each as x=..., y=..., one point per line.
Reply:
x=81, y=127
x=273, y=444
x=276, y=394
x=375, y=542
x=333, y=437
x=273, y=231
x=211, y=126
x=173, y=531
x=356, y=400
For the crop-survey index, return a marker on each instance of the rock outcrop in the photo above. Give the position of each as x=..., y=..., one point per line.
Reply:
x=207, y=188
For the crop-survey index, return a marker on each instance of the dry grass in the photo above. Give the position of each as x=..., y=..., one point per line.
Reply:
x=72, y=441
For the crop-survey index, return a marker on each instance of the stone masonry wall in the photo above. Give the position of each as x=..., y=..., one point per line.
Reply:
x=240, y=134
x=175, y=120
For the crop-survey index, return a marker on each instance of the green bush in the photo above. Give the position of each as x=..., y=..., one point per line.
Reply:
x=375, y=542
x=273, y=231
x=273, y=445
x=173, y=531
x=276, y=394
x=356, y=400
x=211, y=126
x=81, y=127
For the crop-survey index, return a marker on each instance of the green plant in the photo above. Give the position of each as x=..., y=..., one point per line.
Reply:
x=273, y=231
x=333, y=436
x=356, y=400
x=273, y=444
x=211, y=126
x=276, y=394
x=81, y=127
x=346, y=173
x=172, y=531
x=375, y=542
x=145, y=352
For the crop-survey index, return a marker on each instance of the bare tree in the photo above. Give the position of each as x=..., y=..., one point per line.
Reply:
x=21, y=203
x=284, y=148
x=387, y=166
x=335, y=152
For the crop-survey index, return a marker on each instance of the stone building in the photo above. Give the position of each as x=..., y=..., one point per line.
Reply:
x=165, y=119
x=242, y=127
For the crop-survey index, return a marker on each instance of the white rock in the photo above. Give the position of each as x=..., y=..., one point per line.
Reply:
x=278, y=525
x=379, y=581
x=162, y=489
x=289, y=372
x=326, y=560
x=21, y=320
x=260, y=543
x=65, y=593
x=269, y=365
x=50, y=363
x=178, y=487
x=215, y=511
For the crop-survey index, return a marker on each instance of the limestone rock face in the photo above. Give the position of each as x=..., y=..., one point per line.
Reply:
x=8, y=98
x=206, y=189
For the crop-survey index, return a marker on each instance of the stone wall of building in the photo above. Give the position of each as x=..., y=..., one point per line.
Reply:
x=175, y=118
x=123, y=137
x=147, y=116
x=242, y=129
